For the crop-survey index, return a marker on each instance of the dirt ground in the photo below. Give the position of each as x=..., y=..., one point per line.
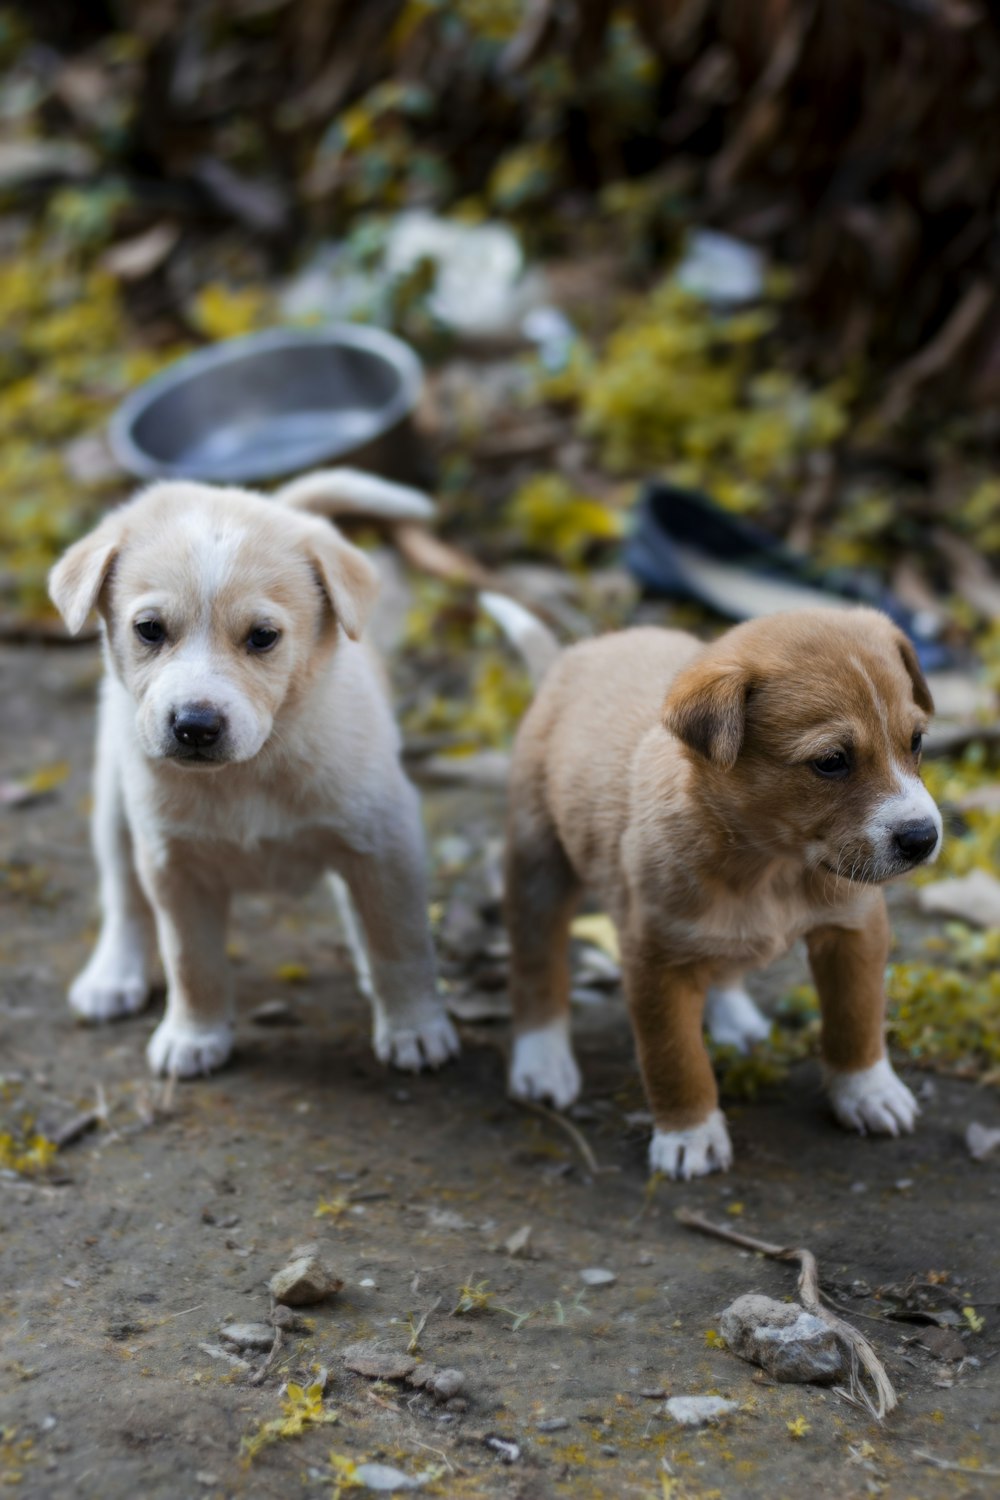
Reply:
x=153, y=1231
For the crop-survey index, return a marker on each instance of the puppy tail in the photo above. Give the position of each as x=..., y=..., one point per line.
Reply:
x=525, y=631
x=351, y=492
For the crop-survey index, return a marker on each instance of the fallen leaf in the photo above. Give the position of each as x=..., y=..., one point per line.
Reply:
x=598, y=929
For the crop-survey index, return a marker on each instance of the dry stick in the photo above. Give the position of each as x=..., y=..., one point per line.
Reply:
x=945, y=1463
x=414, y=1344
x=860, y=1349
x=577, y=1137
x=260, y=1375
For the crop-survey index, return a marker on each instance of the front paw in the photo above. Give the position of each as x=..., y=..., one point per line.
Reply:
x=542, y=1065
x=872, y=1099
x=185, y=1049
x=109, y=988
x=413, y=1048
x=695, y=1152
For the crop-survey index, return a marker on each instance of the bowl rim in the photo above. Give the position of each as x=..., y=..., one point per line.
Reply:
x=140, y=463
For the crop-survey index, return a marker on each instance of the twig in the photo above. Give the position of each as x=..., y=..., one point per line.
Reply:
x=414, y=1343
x=79, y=1124
x=945, y=1463
x=576, y=1136
x=183, y=1312
x=860, y=1350
x=260, y=1375
x=214, y=1352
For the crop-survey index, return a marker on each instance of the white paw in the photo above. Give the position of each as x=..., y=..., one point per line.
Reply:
x=187, y=1050
x=413, y=1048
x=113, y=984
x=872, y=1099
x=542, y=1065
x=693, y=1152
x=734, y=1020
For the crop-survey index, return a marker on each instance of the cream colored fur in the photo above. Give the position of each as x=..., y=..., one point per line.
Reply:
x=304, y=777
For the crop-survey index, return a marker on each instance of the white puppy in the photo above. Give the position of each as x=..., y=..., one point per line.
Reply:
x=245, y=742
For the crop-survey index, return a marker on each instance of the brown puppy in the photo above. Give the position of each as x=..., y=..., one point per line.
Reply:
x=722, y=801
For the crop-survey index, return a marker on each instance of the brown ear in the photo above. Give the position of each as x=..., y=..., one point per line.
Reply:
x=706, y=710
x=76, y=581
x=921, y=692
x=348, y=579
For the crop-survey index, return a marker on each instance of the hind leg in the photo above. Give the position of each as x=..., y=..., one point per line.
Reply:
x=541, y=896
x=732, y=1017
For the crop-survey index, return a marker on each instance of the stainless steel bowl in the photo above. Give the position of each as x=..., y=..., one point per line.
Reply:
x=274, y=404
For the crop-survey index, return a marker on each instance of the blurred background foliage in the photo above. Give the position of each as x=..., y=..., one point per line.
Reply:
x=163, y=164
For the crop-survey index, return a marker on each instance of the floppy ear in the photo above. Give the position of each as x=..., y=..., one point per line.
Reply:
x=347, y=577
x=921, y=692
x=76, y=581
x=706, y=710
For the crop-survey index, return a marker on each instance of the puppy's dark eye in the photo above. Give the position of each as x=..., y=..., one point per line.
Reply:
x=917, y=743
x=834, y=766
x=262, y=638
x=150, y=631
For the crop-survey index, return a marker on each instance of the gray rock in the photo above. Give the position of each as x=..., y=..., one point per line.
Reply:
x=443, y=1384
x=698, y=1411
x=376, y=1363
x=249, y=1335
x=305, y=1279
x=785, y=1340
x=598, y=1276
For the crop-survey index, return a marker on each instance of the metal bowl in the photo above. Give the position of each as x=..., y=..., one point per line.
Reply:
x=274, y=404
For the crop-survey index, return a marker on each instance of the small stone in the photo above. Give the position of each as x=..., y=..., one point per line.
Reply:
x=384, y=1479
x=249, y=1335
x=943, y=1343
x=598, y=1276
x=518, y=1243
x=609, y=1450
x=287, y=1319
x=788, y=1342
x=444, y=1384
x=552, y=1424
x=698, y=1411
x=981, y=1140
x=505, y=1448
x=378, y=1364
x=305, y=1278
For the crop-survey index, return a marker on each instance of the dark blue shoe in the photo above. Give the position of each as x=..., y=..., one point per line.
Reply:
x=685, y=546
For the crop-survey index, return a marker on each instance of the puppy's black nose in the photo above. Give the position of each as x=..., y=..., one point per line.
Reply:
x=916, y=840
x=197, y=726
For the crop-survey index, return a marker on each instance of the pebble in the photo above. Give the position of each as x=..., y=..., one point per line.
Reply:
x=697, y=1411
x=505, y=1448
x=444, y=1384
x=552, y=1424
x=384, y=1479
x=378, y=1364
x=785, y=1340
x=249, y=1335
x=305, y=1278
x=598, y=1276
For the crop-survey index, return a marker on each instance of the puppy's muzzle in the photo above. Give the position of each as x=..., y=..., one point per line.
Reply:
x=199, y=732
x=916, y=841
